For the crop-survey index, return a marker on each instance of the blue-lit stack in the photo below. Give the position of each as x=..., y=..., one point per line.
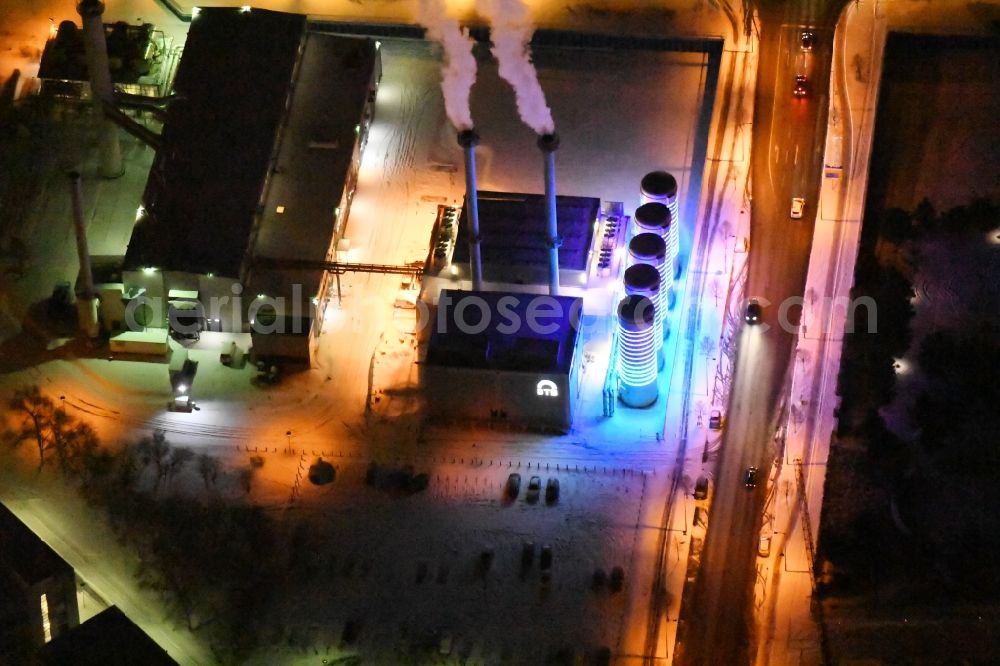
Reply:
x=644, y=280
x=661, y=187
x=637, y=351
x=654, y=217
x=650, y=248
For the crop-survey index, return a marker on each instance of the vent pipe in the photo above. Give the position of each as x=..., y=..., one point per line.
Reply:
x=101, y=89
x=468, y=140
x=87, y=298
x=548, y=144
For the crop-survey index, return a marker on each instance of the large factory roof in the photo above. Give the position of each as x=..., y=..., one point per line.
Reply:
x=24, y=553
x=505, y=331
x=314, y=158
x=205, y=183
x=514, y=232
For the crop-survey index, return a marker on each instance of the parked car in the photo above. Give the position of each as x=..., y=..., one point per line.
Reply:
x=552, y=491
x=534, y=489
x=764, y=545
x=750, y=477
x=701, y=488
x=798, y=207
x=527, y=554
x=617, y=579
x=599, y=579
x=545, y=561
x=513, y=486
x=715, y=420
x=753, y=312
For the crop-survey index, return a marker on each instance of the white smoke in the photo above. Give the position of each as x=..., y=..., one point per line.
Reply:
x=510, y=31
x=459, y=70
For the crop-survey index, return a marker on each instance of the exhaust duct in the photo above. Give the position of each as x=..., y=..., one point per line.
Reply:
x=548, y=143
x=468, y=140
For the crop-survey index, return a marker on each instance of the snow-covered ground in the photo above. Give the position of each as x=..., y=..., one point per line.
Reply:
x=610, y=111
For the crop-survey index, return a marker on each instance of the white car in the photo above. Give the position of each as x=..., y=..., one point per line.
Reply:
x=764, y=545
x=798, y=205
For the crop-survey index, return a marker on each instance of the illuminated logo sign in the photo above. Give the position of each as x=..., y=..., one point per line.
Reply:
x=548, y=388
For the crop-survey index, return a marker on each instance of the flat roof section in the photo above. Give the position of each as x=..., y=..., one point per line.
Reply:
x=314, y=157
x=514, y=232
x=205, y=183
x=107, y=638
x=25, y=553
x=505, y=331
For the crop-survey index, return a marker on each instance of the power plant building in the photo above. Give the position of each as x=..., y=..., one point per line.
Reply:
x=514, y=244
x=250, y=192
x=503, y=357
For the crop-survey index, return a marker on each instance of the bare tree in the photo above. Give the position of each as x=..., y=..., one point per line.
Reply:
x=37, y=412
x=175, y=463
x=154, y=450
x=246, y=478
x=208, y=468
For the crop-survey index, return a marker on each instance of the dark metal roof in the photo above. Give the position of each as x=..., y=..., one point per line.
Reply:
x=505, y=331
x=24, y=553
x=64, y=57
x=205, y=183
x=514, y=233
x=314, y=160
x=107, y=638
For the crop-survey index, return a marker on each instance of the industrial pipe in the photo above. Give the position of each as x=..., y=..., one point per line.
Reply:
x=548, y=144
x=468, y=140
x=101, y=88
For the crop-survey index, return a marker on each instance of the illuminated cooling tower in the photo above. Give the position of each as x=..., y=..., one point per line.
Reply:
x=650, y=248
x=662, y=187
x=655, y=217
x=637, y=351
x=644, y=280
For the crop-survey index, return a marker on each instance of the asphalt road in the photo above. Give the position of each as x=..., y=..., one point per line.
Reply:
x=788, y=138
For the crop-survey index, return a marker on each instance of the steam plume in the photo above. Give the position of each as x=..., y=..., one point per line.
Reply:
x=459, y=70
x=511, y=32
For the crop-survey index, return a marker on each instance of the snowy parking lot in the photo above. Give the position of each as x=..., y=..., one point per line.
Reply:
x=408, y=570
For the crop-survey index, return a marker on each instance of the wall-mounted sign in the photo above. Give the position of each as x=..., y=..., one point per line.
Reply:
x=547, y=388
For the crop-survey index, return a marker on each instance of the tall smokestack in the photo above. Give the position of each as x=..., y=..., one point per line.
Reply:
x=468, y=140
x=101, y=89
x=548, y=143
x=87, y=298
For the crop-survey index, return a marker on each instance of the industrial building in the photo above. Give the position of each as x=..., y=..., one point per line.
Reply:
x=37, y=588
x=506, y=255
x=250, y=189
x=513, y=246
x=504, y=357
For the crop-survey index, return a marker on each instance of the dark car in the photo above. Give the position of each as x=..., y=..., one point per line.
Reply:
x=801, y=88
x=753, y=312
x=806, y=40
x=552, y=491
x=750, y=477
x=545, y=561
x=513, y=486
x=701, y=488
x=617, y=579
x=527, y=554
x=534, y=489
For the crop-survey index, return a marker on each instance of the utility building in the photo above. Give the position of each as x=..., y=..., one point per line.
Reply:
x=252, y=187
x=503, y=357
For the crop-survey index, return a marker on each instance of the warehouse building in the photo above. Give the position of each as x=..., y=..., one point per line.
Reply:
x=251, y=190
